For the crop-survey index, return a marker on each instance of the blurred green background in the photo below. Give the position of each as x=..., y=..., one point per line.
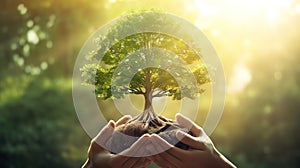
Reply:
x=257, y=41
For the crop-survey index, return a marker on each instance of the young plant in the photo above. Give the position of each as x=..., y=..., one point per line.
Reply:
x=152, y=64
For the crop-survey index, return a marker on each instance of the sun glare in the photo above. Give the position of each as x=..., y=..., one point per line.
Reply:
x=240, y=10
x=298, y=8
x=268, y=9
x=239, y=27
x=240, y=78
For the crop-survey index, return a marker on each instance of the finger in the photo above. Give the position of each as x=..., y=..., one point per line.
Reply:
x=118, y=160
x=105, y=133
x=150, y=149
x=141, y=163
x=146, y=163
x=190, y=140
x=159, y=144
x=123, y=120
x=160, y=161
x=123, y=159
x=189, y=124
x=172, y=159
x=162, y=145
x=130, y=162
x=167, y=151
x=142, y=151
x=133, y=150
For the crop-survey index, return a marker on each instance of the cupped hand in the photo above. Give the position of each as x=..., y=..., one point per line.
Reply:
x=99, y=157
x=202, y=153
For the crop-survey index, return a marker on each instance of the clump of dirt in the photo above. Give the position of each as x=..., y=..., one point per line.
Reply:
x=136, y=127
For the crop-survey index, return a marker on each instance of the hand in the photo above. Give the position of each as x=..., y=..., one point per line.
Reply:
x=202, y=154
x=98, y=156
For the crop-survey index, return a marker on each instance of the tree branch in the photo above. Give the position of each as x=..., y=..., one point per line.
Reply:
x=135, y=91
x=161, y=93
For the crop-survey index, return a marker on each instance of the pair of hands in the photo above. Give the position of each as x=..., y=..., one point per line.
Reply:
x=202, y=153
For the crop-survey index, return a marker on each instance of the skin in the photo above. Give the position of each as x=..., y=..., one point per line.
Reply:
x=100, y=157
x=202, y=154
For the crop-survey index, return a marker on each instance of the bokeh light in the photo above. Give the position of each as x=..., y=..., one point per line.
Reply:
x=257, y=41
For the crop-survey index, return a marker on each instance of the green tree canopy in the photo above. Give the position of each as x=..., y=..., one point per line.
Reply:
x=160, y=64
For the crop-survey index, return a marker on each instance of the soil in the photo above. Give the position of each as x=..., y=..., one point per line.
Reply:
x=135, y=128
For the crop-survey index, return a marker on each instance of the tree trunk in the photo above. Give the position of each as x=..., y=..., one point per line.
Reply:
x=148, y=102
x=148, y=116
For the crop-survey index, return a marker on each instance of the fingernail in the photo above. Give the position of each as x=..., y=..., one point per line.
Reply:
x=154, y=135
x=128, y=116
x=111, y=124
x=146, y=135
x=177, y=114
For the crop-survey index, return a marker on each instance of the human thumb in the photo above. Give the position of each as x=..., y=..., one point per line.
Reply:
x=189, y=140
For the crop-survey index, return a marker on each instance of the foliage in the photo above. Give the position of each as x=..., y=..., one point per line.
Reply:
x=156, y=81
x=35, y=127
x=265, y=131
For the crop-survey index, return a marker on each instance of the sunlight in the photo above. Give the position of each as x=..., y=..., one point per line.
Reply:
x=112, y=1
x=272, y=15
x=242, y=10
x=240, y=78
x=250, y=8
x=205, y=9
x=32, y=37
x=298, y=8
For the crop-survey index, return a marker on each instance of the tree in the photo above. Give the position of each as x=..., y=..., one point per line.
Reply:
x=133, y=53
